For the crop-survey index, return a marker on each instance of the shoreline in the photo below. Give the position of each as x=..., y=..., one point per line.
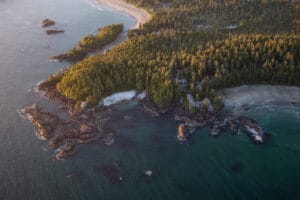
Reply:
x=82, y=125
x=141, y=16
x=257, y=95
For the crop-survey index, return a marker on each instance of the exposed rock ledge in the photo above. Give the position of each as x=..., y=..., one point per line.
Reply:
x=66, y=135
x=44, y=121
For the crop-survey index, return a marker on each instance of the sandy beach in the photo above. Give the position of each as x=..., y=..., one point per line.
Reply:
x=254, y=95
x=139, y=14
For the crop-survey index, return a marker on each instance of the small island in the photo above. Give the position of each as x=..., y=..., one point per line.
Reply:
x=54, y=31
x=48, y=22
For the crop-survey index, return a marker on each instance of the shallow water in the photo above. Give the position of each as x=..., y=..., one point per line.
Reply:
x=201, y=168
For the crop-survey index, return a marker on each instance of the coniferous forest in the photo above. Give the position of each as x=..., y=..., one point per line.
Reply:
x=211, y=43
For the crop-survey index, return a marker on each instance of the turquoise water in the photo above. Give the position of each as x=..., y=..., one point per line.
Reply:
x=197, y=169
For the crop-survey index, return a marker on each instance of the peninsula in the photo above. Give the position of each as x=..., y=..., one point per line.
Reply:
x=181, y=57
x=91, y=43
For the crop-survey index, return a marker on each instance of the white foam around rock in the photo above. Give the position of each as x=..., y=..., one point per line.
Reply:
x=142, y=95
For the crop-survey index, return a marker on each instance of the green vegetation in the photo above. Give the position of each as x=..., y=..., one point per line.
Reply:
x=105, y=36
x=250, y=16
x=192, y=40
x=90, y=43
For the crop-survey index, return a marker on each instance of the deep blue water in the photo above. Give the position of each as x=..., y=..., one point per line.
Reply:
x=198, y=169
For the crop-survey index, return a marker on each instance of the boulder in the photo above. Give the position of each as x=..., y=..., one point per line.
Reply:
x=148, y=172
x=181, y=133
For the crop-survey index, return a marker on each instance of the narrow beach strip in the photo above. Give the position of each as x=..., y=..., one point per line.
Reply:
x=141, y=15
x=260, y=95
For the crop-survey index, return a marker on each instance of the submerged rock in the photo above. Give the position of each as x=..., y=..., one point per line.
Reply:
x=237, y=167
x=111, y=172
x=128, y=117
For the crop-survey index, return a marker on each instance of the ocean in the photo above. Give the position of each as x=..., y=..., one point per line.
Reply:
x=204, y=167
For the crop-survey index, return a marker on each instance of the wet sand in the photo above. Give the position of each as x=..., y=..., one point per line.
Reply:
x=254, y=95
x=141, y=15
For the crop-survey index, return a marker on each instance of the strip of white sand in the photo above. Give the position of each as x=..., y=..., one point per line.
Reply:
x=254, y=95
x=121, y=96
x=141, y=16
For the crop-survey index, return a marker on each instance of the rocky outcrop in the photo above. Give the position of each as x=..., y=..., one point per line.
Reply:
x=195, y=120
x=219, y=124
x=65, y=136
x=150, y=107
x=47, y=22
x=60, y=57
x=205, y=103
x=71, y=56
x=66, y=150
x=181, y=135
x=84, y=133
x=49, y=89
x=235, y=125
x=252, y=129
x=54, y=31
x=45, y=122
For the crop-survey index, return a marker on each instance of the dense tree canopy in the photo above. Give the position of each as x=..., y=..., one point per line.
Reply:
x=90, y=43
x=210, y=43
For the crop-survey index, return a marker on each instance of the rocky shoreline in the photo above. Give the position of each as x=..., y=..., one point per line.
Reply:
x=82, y=126
x=65, y=135
x=219, y=123
x=87, y=125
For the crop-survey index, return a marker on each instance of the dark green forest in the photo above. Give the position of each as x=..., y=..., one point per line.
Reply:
x=91, y=42
x=211, y=43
